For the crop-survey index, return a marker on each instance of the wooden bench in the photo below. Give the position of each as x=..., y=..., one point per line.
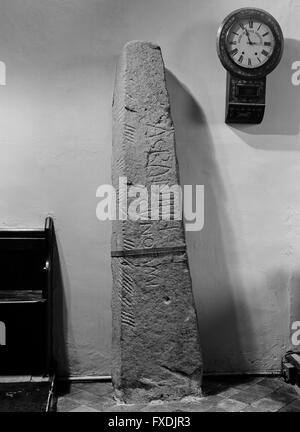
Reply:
x=26, y=286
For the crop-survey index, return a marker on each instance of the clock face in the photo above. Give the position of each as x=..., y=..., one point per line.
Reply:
x=250, y=43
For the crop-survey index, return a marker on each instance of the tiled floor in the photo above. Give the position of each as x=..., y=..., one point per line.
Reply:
x=228, y=394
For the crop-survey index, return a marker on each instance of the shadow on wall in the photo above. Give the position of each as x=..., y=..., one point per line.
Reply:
x=211, y=251
x=59, y=316
x=282, y=103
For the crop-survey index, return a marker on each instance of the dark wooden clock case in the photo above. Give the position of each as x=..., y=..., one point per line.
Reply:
x=246, y=88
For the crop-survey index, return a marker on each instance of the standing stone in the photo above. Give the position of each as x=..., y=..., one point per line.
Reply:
x=156, y=351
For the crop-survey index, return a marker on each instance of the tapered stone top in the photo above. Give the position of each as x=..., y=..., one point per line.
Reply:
x=156, y=350
x=143, y=142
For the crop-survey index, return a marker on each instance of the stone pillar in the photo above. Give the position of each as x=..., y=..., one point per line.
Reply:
x=156, y=351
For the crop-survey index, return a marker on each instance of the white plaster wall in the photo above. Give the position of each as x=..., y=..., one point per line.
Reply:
x=55, y=138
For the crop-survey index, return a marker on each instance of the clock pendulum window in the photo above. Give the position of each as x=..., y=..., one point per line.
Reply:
x=249, y=46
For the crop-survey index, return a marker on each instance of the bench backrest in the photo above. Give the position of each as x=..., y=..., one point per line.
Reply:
x=23, y=256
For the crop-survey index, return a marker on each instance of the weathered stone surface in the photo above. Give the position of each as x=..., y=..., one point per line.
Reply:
x=156, y=351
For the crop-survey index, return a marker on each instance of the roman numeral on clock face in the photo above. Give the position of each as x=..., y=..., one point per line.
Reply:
x=265, y=53
x=241, y=58
x=250, y=24
x=249, y=62
x=234, y=51
x=267, y=43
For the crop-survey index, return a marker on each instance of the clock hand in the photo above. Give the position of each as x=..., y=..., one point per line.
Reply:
x=247, y=34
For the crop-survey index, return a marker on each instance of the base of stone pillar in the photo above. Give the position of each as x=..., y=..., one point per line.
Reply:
x=155, y=391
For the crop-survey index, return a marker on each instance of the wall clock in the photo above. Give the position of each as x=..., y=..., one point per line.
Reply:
x=249, y=46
